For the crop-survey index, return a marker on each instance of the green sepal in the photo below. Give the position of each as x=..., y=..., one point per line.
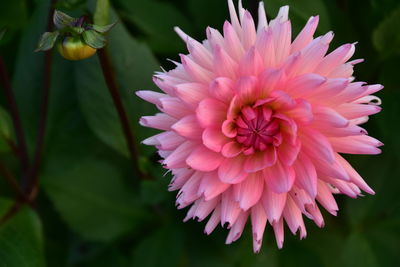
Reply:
x=94, y=39
x=47, y=41
x=62, y=20
x=102, y=29
x=76, y=30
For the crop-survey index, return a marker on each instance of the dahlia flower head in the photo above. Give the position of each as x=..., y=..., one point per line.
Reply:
x=254, y=125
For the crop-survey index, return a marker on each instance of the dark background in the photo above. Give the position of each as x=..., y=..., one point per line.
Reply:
x=91, y=210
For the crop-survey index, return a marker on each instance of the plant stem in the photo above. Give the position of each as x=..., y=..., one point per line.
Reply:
x=19, y=132
x=116, y=97
x=31, y=185
x=5, y=172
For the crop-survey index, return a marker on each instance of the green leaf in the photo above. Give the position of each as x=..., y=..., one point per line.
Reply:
x=159, y=33
x=386, y=37
x=62, y=20
x=2, y=32
x=357, y=252
x=21, y=241
x=166, y=246
x=300, y=12
x=103, y=29
x=94, y=39
x=28, y=73
x=13, y=14
x=102, y=12
x=133, y=65
x=92, y=197
x=47, y=41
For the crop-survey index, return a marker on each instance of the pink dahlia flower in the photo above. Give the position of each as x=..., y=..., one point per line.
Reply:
x=254, y=124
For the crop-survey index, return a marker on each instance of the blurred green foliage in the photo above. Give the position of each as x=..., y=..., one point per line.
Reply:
x=92, y=211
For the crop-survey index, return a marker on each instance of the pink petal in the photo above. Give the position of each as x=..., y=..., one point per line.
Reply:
x=247, y=89
x=151, y=96
x=191, y=93
x=231, y=149
x=232, y=42
x=279, y=178
x=352, y=111
x=214, y=139
x=258, y=223
x=251, y=64
x=274, y=203
x=160, y=121
x=279, y=233
x=231, y=170
x=224, y=65
x=222, y=89
x=266, y=48
x=211, y=186
x=249, y=30
x=195, y=71
x=306, y=35
x=306, y=175
x=361, y=144
x=211, y=112
x=188, y=127
x=213, y=221
x=328, y=116
x=316, y=145
x=326, y=199
x=237, y=229
x=203, y=159
x=230, y=209
x=260, y=160
x=177, y=159
x=174, y=107
x=294, y=218
x=354, y=176
x=248, y=192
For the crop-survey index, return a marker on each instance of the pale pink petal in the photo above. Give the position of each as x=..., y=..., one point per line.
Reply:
x=160, y=121
x=248, y=192
x=211, y=186
x=222, y=89
x=188, y=127
x=361, y=144
x=232, y=42
x=151, y=96
x=279, y=233
x=274, y=203
x=230, y=209
x=191, y=93
x=294, y=218
x=326, y=199
x=213, y=221
x=306, y=175
x=177, y=159
x=306, y=34
x=237, y=229
x=258, y=223
x=224, y=65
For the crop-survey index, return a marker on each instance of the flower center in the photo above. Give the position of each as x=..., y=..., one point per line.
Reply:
x=257, y=128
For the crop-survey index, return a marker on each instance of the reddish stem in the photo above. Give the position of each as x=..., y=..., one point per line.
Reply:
x=116, y=97
x=15, y=117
